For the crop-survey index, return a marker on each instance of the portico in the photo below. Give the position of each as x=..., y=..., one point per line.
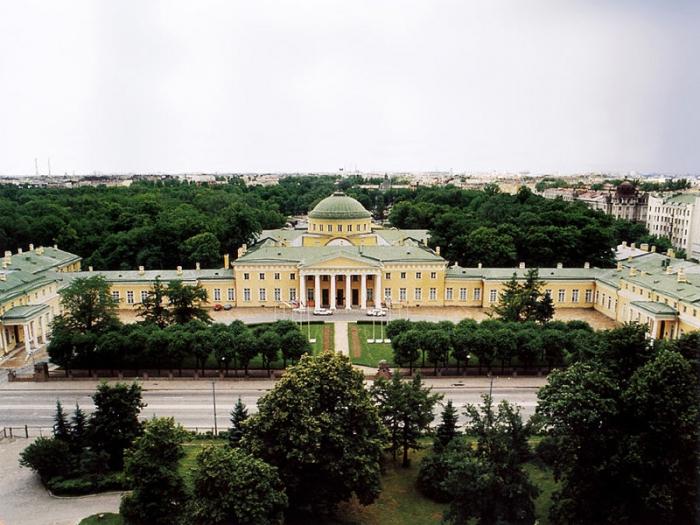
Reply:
x=28, y=324
x=341, y=288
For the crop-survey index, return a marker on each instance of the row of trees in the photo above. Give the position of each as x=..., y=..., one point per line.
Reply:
x=492, y=342
x=501, y=230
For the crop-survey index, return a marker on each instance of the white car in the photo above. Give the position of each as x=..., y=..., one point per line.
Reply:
x=323, y=311
x=376, y=312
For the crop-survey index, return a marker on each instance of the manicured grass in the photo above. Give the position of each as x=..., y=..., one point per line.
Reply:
x=107, y=519
x=192, y=449
x=544, y=480
x=370, y=353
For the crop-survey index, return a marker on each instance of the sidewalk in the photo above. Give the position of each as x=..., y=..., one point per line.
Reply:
x=341, y=338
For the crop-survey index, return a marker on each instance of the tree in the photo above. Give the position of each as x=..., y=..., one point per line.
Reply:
x=221, y=340
x=267, y=344
x=202, y=248
x=406, y=408
x=406, y=347
x=437, y=343
x=462, y=341
x=186, y=302
x=488, y=483
x=78, y=429
x=231, y=486
x=526, y=301
x=88, y=305
x=447, y=429
x=244, y=348
x=397, y=326
x=238, y=415
x=511, y=301
x=152, y=308
x=61, y=428
x=48, y=457
x=114, y=424
x=294, y=344
x=319, y=427
x=158, y=491
x=201, y=342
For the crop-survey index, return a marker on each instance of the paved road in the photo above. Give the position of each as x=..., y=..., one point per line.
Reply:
x=191, y=403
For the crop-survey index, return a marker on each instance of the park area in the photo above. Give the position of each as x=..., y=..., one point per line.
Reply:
x=399, y=503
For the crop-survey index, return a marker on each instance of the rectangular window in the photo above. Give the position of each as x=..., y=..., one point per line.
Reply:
x=115, y=295
x=609, y=302
x=418, y=294
x=340, y=227
x=448, y=294
x=403, y=275
x=387, y=275
x=129, y=297
x=231, y=294
x=477, y=294
x=419, y=275
x=292, y=276
x=320, y=227
x=574, y=296
x=246, y=276
x=597, y=296
x=562, y=295
x=387, y=294
x=349, y=227
x=277, y=276
x=278, y=294
x=262, y=294
x=402, y=294
x=217, y=294
x=433, y=275
x=432, y=294
x=261, y=276
x=246, y=294
x=292, y=294
x=493, y=295
x=589, y=295
x=462, y=294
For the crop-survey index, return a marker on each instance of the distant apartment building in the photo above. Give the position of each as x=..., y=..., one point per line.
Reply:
x=678, y=218
x=626, y=202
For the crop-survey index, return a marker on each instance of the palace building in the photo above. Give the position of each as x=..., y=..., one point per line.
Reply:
x=340, y=260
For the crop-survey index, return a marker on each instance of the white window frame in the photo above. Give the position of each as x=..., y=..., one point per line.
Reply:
x=277, y=294
x=231, y=294
x=561, y=295
x=418, y=294
x=115, y=295
x=462, y=294
x=493, y=296
x=402, y=294
x=432, y=294
x=217, y=294
x=477, y=294
x=262, y=294
x=129, y=297
x=246, y=295
x=448, y=294
x=387, y=294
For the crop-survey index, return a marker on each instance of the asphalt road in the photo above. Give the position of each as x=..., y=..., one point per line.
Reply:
x=192, y=404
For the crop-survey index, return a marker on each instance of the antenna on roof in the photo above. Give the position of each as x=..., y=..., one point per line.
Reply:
x=36, y=166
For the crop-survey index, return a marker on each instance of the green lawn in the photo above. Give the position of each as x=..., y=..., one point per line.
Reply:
x=371, y=353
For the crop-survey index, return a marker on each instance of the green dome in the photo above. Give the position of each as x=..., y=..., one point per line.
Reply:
x=339, y=206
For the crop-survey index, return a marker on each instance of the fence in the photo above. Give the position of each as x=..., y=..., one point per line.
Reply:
x=31, y=432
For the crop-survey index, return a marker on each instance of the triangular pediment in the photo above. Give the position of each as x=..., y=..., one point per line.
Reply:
x=343, y=261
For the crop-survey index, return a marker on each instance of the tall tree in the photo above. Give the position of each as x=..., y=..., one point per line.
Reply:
x=319, y=427
x=78, y=429
x=158, y=493
x=88, y=305
x=447, y=430
x=238, y=415
x=114, y=424
x=186, y=302
x=153, y=308
x=61, y=428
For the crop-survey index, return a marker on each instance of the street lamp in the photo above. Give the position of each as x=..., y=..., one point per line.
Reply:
x=213, y=395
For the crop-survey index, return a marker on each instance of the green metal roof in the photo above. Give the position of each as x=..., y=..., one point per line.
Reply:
x=24, y=313
x=42, y=259
x=339, y=206
x=655, y=308
x=149, y=276
x=546, y=274
x=683, y=198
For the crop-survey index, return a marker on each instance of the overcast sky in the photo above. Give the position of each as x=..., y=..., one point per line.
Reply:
x=520, y=85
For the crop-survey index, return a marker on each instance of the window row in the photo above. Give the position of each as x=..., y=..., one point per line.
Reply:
x=339, y=227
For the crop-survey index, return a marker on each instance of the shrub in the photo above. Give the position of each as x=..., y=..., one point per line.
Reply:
x=48, y=457
x=431, y=476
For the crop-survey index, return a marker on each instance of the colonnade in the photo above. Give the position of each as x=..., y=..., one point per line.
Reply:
x=347, y=288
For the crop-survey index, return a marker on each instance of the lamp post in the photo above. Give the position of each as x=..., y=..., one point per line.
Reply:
x=213, y=395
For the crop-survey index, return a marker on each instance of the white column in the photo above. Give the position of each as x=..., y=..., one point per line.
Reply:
x=302, y=289
x=348, y=291
x=363, y=292
x=27, y=343
x=332, y=300
x=3, y=340
x=42, y=327
x=378, y=290
x=317, y=290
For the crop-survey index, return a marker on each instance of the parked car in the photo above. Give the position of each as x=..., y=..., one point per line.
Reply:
x=376, y=312
x=218, y=307
x=323, y=311
x=228, y=306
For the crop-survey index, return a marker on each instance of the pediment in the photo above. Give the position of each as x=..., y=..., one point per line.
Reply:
x=344, y=262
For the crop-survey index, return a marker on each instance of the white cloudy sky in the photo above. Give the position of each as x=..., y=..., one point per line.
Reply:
x=257, y=85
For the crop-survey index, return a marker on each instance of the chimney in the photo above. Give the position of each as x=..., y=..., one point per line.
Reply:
x=521, y=265
x=670, y=253
x=624, y=244
x=681, y=276
x=31, y=247
x=179, y=270
x=8, y=254
x=633, y=272
x=586, y=265
x=55, y=246
x=227, y=263
x=40, y=250
x=3, y=277
x=478, y=265
x=197, y=266
x=141, y=270
x=560, y=266
x=633, y=245
x=19, y=251
x=653, y=249
x=619, y=266
x=242, y=250
x=437, y=250
x=89, y=268
x=669, y=270
x=644, y=247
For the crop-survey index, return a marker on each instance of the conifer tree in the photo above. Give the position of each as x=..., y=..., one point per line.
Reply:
x=78, y=428
x=447, y=430
x=61, y=428
x=238, y=415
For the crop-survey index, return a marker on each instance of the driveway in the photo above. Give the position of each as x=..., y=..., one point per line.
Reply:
x=24, y=501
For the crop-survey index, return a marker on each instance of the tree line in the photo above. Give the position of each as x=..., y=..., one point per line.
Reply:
x=501, y=230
